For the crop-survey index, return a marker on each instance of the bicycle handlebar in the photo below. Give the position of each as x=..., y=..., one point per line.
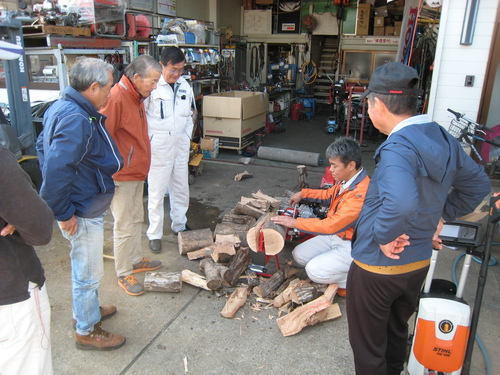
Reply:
x=459, y=116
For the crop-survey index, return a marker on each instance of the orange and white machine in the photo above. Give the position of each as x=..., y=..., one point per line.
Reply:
x=443, y=321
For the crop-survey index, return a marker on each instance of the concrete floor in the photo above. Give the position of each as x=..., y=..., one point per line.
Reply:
x=184, y=333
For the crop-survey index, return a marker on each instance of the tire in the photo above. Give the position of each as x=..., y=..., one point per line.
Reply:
x=32, y=169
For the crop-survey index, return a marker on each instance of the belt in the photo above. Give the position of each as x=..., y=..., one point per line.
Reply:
x=394, y=270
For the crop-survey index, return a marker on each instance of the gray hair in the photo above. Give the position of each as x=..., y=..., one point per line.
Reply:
x=405, y=104
x=142, y=66
x=346, y=149
x=88, y=70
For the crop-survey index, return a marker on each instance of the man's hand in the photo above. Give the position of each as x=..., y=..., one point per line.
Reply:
x=295, y=199
x=8, y=229
x=395, y=247
x=284, y=220
x=70, y=226
x=436, y=241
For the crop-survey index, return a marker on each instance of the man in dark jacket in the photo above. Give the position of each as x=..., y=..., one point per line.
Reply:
x=25, y=220
x=421, y=175
x=78, y=158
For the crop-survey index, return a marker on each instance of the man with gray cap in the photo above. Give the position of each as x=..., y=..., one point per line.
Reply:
x=422, y=174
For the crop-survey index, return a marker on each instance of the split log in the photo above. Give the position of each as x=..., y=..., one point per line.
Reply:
x=302, y=174
x=271, y=284
x=246, y=220
x=202, y=253
x=196, y=239
x=254, y=233
x=247, y=210
x=194, y=279
x=304, y=294
x=250, y=278
x=242, y=175
x=239, y=230
x=224, y=244
x=214, y=273
x=235, y=301
x=272, y=201
x=304, y=316
x=290, y=271
x=169, y=282
x=274, y=235
x=285, y=296
x=237, y=266
x=260, y=204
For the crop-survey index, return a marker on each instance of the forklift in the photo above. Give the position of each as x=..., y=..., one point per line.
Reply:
x=17, y=132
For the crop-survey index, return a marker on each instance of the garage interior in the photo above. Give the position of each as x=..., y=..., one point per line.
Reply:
x=283, y=75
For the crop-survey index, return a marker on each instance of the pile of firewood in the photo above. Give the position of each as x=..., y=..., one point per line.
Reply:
x=225, y=264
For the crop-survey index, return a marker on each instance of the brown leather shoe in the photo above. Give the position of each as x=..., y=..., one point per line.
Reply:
x=99, y=339
x=107, y=311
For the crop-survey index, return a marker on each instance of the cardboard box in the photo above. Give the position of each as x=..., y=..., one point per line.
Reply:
x=364, y=17
x=234, y=116
x=381, y=12
x=389, y=30
x=378, y=21
x=397, y=30
x=378, y=31
x=207, y=154
x=209, y=144
x=264, y=2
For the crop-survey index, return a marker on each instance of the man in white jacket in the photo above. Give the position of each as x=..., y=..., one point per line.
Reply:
x=169, y=109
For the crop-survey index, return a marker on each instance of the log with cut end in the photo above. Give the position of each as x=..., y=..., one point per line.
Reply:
x=196, y=239
x=250, y=278
x=247, y=210
x=237, y=266
x=225, y=244
x=273, y=234
x=235, y=301
x=239, y=230
x=304, y=315
x=213, y=272
x=169, y=282
x=265, y=288
x=192, y=278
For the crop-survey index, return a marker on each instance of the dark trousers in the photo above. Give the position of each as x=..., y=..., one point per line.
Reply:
x=378, y=309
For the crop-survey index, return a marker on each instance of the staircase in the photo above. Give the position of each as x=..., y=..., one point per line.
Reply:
x=327, y=67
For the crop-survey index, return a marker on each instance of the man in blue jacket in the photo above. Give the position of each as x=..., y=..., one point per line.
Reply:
x=78, y=158
x=421, y=175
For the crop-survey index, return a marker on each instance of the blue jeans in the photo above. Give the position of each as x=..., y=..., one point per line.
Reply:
x=87, y=270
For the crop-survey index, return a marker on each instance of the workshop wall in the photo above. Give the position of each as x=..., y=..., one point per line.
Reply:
x=193, y=9
x=229, y=14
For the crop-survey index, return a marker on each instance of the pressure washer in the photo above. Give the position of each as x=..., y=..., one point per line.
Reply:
x=445, y=328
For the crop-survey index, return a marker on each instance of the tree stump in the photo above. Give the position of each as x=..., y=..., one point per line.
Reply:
x=196, y=239
x=169, y=282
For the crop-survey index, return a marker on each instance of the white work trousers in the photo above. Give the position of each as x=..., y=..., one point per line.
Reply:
x=25, y=335
x=169, y=172
x=326, y=258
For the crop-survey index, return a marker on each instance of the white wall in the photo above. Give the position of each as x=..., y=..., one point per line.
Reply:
x=454, y=61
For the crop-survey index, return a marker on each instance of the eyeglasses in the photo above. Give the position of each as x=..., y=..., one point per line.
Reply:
x=176, y=71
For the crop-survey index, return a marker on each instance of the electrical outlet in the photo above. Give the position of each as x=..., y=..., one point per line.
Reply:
x=469, y=81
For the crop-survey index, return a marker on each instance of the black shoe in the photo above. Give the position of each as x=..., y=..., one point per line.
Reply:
x=186, y=228
x=155, y=246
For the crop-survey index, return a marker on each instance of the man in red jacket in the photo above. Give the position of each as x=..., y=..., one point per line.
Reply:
x=128, y=126
x=327, y=257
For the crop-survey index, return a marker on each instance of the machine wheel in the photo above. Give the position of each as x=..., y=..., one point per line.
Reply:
x=32, y=168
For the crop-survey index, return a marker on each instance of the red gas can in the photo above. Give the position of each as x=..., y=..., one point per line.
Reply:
x=296, y=107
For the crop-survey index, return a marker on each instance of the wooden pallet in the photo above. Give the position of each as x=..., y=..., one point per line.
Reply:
x=57, y=30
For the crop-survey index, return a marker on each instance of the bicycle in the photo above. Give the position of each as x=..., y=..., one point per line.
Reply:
x=467, y=132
